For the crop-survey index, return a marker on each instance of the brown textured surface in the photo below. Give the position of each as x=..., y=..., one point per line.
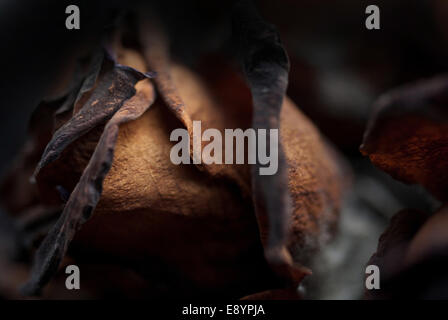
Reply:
x=191, y=228
x=408, y=135
x=194, y=221
x=317, y=175
x=316, y=181
x=99, y=104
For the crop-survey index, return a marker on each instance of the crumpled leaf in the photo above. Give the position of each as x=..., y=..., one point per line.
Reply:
x=200, y=227
x=407, y=137
x=113, y=93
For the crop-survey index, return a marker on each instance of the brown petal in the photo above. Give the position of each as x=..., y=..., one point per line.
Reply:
x=156, y=52
x=408, y=135
x=153, y=212
x=317, y=179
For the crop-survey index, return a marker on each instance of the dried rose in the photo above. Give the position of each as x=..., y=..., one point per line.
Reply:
x=205, y=225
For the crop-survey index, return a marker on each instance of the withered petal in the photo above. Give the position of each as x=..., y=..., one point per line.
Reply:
x=88, y=82
x=180, y=100
x=393, y=245
x=407, y=137
x=266, y=66
x=115, y=86
x=87, y=192
x=156, y=53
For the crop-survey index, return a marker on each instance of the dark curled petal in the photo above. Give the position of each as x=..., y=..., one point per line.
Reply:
x=156, y=51
x=115, y=85
x=407, y=136
x=87, y=192
x=266, y=68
